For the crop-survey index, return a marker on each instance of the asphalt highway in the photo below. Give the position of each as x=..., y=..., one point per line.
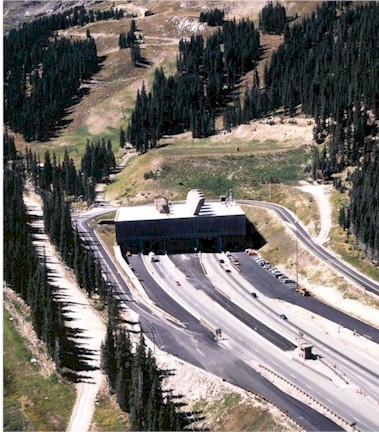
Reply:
x=295, y=226
x=196, y=349
x=270, y=286
x=241, y=339
x=191, y=267
x=165, y=302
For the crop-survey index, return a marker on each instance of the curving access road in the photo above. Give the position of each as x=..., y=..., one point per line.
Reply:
x=298, y=230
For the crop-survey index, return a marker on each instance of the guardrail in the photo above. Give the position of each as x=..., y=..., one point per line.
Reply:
x=328, y=410
x=313, y=369
x=333, y=370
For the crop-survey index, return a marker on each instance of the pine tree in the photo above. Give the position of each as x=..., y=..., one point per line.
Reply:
x=108, y=357
x=122, y=138
x=122, y=41
x=124, y=359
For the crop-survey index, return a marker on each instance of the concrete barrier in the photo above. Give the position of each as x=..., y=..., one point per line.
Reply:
x=201, y=263
x=334, y=370
x=313, y=369
x=337, y=416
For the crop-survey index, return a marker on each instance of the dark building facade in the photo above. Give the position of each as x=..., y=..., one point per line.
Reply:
x=186, y=227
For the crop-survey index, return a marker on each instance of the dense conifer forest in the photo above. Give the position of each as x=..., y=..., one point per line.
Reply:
x=364, y=213
x=26, y=273
x=328, y=68
x=60, y=183
x=136, y=380
x=133, y=374
x=272, y=19
x=213, y=17
x=43, y=73
x=96, y=164
x=206, y=75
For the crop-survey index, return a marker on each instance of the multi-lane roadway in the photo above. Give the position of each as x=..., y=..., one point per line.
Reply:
x=360, y=368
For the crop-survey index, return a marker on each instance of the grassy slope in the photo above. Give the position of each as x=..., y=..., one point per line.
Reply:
x=30, y=400
x=230, y=412
x=108, y=415
x=215, y=167
x=348, y=249
x=112, y=93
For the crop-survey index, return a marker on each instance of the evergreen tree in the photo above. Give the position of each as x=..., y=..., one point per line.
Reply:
x=122, y=137
x=272, y=19
x=213, y=17
x=108, y=356
x=122, y=41
x=124, y=359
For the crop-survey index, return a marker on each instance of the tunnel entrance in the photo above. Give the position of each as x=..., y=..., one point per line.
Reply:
x=208, y=244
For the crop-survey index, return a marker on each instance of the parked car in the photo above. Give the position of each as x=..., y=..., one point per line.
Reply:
x=289, y=281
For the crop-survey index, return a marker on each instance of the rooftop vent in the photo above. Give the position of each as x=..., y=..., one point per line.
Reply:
x=195, y=200
x=161, y=204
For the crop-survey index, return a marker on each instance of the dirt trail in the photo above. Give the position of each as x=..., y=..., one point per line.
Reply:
x=81, y=315
x=321, y=194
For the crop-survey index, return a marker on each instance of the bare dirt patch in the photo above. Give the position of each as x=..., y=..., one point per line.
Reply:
x=295, y=132
x=242, y=8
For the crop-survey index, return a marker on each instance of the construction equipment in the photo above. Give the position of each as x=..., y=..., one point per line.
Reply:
x=302, y=291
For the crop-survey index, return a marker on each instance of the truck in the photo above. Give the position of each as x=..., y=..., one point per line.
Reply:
x=153, y=257
x=251, y=252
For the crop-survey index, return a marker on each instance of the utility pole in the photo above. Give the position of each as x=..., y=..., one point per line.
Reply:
x=297, y=253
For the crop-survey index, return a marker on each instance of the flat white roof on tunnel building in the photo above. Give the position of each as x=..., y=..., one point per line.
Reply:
x=177, y=211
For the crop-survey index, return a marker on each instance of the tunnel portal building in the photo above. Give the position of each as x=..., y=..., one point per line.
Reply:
x=196, y=225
